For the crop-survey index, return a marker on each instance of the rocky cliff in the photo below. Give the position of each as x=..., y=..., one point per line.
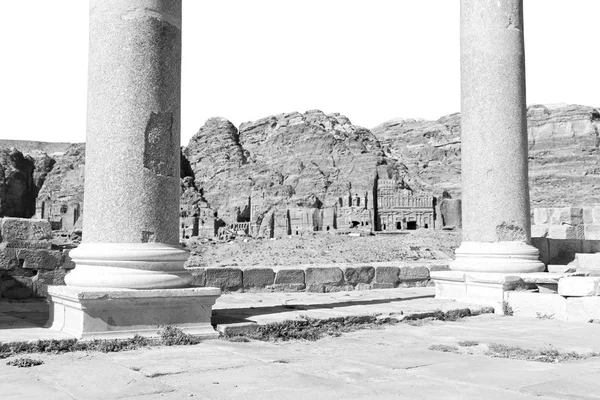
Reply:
x=286, y=160
x=311, y=159
x=563, y=153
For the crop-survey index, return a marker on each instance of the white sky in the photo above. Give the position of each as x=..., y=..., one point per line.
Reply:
x=371, y=60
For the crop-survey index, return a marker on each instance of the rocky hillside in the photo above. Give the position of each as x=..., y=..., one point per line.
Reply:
x=563, y=153
x=288, y=160
x=311, y=159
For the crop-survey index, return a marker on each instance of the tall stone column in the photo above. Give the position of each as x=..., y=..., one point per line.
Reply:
x=495, y=202
x=132, y=188
x=130, y=264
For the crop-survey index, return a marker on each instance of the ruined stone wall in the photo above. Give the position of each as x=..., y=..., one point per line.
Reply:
x=28, y=260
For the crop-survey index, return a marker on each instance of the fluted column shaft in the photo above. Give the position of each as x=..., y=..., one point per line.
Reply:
x=495, y=202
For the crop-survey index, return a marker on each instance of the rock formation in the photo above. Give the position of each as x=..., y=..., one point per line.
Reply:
x=285, y=161
x=17, y=187
x=563, y=153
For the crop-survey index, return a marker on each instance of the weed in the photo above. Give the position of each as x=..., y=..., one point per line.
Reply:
x=507, y=310
x=237, y=339
x=168, y=336
x=24, y=362
x=468, y=343
x=539, y=315
x=546, y=355
x=444, y=348
x=172, y=336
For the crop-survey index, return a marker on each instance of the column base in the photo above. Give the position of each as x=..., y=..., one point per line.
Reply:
x=89, y=313
x=129, y=266
x=478, y=288
x=498, y=257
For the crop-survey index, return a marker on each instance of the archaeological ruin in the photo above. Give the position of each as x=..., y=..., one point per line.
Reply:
x=300, y=175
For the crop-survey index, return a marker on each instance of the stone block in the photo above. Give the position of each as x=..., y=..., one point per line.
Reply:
x=120, y=313
x=409, y=274
x=385, y=274
x=540, y=231
x=194, y=262
x=8, y=258
x=43, y=279
x=323, y=276
x=258, y=277
x=21, y=229
x=567, y=215
x=360, y=274
x=592, y=232
x=449, y=285
x=596, y=214
x=289, y=276
x=566, y=232
x=68, y=262
x=588, y=262
x=226, y=278
x=590, y=246
x=442, y=266
x=559, y=269
x=563, y=251
x=588, y=215
x=382, y=285
x=40, y=259
x=579, y=286
x=542, y=216
x=541, y=243
x=16, y=287
x=198, y=276
x=537, y=305
x=582, y=309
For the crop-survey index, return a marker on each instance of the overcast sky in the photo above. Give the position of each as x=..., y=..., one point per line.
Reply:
x=371, y=60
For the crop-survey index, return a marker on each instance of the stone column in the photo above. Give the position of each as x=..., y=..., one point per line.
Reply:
x=129, y=267
x=132, y=186
x=495, y=202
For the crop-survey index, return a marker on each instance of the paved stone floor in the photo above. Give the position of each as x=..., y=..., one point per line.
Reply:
x=393, y=362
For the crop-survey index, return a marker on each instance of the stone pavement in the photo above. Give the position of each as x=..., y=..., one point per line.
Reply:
x=391, y=362
x=394, y=362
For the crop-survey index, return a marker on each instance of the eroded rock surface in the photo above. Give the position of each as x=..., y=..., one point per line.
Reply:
x=563, y=153
x=289, y=160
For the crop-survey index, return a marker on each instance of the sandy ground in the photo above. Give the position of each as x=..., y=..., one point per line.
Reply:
x=327, y=249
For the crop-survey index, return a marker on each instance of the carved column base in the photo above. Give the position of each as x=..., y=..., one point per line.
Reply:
x=502, y=257
x=129, y=266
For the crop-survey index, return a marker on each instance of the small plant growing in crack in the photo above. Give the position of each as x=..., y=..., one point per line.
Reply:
x=507, y=309
x=468, y=343
x=444, y=348
x=539, y=315
x=24, y=362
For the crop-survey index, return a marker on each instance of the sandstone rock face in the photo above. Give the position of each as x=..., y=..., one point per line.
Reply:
x=286, y=161
x=17, y=188
x=563, y=153
x=60, y=199
x=429, y=149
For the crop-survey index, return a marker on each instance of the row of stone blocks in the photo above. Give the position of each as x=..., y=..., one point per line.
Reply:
x=563, y=251
x=567, y=223
x=315, y=278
